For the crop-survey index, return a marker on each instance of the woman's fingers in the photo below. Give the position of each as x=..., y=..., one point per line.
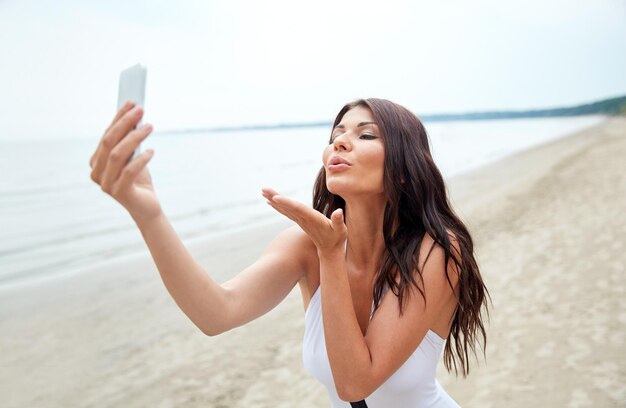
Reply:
x=131, y=170
x=307, y=225
x=292, y=206
x=268, y=193
x=125, y=108
x=120, y=154
x=111, y=138
x=288, y=205
x=282, y=211
x=121, y=127
x=308, y=218
x=324, y=232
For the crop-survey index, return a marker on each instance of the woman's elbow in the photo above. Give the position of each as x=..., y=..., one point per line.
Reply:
x=351, y=393
x=212, y=330
x=212, y=325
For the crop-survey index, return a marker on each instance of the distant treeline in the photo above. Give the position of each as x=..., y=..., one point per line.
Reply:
x=613, y=106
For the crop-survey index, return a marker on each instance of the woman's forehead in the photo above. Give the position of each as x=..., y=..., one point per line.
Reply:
x=356, y=117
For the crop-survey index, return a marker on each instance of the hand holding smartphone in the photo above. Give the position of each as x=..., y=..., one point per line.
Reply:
x=132, y=88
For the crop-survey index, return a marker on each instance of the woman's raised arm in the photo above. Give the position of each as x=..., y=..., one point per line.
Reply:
x=214, y=308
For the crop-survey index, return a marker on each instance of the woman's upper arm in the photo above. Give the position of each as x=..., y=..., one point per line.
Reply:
x=263, y=285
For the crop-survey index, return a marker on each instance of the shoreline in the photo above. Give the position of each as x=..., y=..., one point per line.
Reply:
x=114, y=337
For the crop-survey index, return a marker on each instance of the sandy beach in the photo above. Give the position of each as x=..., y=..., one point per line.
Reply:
x=549, y=229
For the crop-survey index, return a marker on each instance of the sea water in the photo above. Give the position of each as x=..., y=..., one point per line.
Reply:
x=54, y=219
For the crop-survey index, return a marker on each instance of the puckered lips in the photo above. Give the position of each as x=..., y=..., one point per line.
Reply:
x=338, y=163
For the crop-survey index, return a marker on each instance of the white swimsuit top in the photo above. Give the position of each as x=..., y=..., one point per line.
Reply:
x=412, y=385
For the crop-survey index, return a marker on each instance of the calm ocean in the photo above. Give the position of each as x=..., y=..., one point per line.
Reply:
x=54, y=219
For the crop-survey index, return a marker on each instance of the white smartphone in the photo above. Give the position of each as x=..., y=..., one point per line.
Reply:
x=133, y=88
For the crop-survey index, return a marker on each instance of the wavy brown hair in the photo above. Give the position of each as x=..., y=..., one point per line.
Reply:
x=417, y=203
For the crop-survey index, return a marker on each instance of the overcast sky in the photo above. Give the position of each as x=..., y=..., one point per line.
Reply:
x=234, y=63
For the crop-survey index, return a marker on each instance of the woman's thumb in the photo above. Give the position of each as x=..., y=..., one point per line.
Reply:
x=337, y=216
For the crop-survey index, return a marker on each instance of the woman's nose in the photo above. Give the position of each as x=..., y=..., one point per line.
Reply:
x=341, y=143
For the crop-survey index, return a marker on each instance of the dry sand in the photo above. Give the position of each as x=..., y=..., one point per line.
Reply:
x=549, y=229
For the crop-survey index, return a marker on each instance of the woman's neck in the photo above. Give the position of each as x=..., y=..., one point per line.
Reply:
x=364, y=221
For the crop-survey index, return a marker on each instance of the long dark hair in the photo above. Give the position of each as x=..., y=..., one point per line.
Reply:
x=417, y=203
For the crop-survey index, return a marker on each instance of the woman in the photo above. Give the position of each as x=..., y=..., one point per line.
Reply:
x=381, y=220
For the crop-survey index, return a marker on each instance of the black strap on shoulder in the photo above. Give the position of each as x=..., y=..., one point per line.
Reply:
x=359, y=404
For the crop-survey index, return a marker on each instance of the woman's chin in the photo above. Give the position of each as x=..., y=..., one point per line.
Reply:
x=336, y=187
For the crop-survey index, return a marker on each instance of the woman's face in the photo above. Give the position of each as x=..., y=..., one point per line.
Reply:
x=354, y=161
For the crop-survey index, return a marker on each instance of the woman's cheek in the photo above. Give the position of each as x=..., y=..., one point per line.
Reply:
x=326, y=154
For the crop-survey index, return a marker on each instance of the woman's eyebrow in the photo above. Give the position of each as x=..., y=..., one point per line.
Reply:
x=340, y=126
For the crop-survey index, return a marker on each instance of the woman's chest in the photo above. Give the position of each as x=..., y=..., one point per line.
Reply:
x=360, y=294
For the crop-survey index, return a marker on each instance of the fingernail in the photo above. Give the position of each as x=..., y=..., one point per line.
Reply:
x=147, y=127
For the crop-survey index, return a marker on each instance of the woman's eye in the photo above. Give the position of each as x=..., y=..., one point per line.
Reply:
x=365, y=136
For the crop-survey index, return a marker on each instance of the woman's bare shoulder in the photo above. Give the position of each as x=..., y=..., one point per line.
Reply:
x=296, y=244
x=301, y=247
